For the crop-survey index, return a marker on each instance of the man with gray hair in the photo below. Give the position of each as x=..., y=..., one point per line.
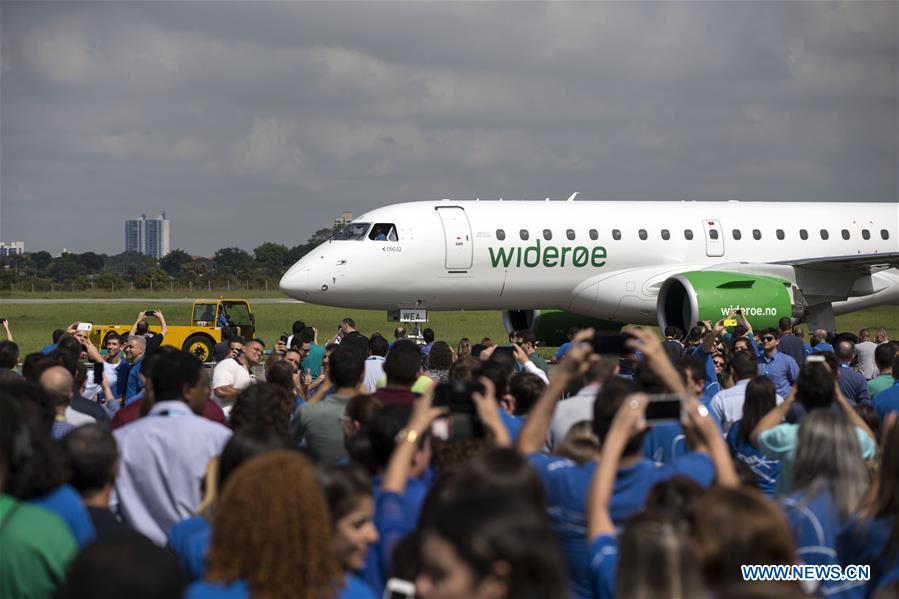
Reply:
x=819, y=342
x=135, y=348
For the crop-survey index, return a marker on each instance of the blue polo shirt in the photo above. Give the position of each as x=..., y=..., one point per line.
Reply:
x=781, y=369
x=887, y=400
x=566, y=484
x=134, y=385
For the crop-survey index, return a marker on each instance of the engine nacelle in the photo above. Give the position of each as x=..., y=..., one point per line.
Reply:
x=552, y=326
x=691, y=297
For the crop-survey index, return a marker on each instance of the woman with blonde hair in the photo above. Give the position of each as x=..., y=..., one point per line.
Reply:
x=270, y=525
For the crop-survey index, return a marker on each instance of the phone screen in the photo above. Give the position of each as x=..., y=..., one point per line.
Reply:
x=663, y=408
x=611, y=345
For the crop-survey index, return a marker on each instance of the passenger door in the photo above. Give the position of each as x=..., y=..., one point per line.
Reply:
x=457, y=238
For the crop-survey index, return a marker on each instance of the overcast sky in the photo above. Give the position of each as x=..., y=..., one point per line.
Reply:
x=251, y=121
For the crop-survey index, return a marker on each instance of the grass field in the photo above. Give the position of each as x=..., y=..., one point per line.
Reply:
x=32, y=325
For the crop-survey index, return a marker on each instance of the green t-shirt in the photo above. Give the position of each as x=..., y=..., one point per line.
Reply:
x=879, y=383
x=35, y=549
x=312, y=363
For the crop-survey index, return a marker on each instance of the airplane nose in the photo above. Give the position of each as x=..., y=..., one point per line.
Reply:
x=294, y=283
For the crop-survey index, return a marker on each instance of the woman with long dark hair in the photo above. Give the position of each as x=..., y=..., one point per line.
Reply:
x=760, y=399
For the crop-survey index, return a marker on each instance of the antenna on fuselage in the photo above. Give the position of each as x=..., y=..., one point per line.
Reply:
x=574, y=195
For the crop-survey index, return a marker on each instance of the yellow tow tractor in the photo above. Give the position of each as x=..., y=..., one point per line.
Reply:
x=203, y=332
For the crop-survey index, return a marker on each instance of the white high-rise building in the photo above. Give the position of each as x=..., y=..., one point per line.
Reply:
x=148, y=236
x=12, y=248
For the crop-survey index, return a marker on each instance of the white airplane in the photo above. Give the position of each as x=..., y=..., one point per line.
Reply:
x=549, y=264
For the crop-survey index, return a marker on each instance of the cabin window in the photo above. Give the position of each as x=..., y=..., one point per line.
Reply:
x=713, y=233
x=824, y=234
x=845, y=233
x=756, y=234
x=642, y=234
x=616, y=234
x=352, y=232
x=500, y=234
x=688, y=234
x=594, y=234
x=780, y=234
x=737, y=235
x=570, y=234
x=547, y=234
x=884, y=234
x=803, y=234
x=866, y=234
x=523, y=234
x=383, y=232
x=666, y=235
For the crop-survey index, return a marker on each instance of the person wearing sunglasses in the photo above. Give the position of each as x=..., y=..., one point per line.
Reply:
x=780, y=368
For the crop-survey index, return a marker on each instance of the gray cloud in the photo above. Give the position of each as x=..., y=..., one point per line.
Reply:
x=249, y=122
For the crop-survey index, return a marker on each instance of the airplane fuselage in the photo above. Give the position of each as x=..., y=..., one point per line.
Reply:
x=598, y=258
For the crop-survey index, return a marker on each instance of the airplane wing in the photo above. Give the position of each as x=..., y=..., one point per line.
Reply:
x=870, y=262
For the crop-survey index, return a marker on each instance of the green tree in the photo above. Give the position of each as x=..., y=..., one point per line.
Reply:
x=92, y=263
x=129, y=264
x=40, y=260
x=174, y=261
x=232, y=261
x=110, y=280
x=66, y=267
x=271, y=257
x=153, y=277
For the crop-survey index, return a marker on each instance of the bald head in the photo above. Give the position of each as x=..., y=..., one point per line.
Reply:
x=59, y=382
x=844, y=350
x=820, y=335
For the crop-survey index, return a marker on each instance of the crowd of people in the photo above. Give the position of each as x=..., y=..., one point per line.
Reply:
x=359, y=466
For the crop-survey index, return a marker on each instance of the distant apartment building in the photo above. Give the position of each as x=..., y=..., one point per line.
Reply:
x=148, y=236
x=12, y=248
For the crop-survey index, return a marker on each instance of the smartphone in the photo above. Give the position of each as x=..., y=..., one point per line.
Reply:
x=738, y=312
x=611, y=344
x=815, y=358
x=85, y=326
x=664, y=408
x=149, y=313
x=283, y=338
x=463, y=421
x=397, y=588
x=98, y=372
x=730, y=322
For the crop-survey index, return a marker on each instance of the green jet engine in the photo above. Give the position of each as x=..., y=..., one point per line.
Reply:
x=691, y=297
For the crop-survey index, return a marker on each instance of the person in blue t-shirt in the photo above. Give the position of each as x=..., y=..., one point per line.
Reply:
x=829, y=482
x=659, y=534
x=349, y=495
x=760, y=399
x=398, y=501
x=566, y=482
x=868, y=537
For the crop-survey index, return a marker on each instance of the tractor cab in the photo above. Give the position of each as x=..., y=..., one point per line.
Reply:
x=221, y=313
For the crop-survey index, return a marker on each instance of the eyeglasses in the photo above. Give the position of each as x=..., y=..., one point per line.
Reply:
x=767, y=338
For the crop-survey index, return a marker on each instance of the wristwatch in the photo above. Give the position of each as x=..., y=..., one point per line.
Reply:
x=406, y=434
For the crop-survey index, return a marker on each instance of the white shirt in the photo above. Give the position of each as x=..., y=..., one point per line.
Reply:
x=230, y=372
x=570, y=411
x=92, y=388
x=374, y=369
x=163, y=459
x=727, y=404
x=865, y=353
x=76, y=418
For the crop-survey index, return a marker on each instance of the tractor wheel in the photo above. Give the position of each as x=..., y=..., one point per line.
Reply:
x=200, y=346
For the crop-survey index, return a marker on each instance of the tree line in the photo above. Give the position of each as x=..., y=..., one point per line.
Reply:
x=230, y=266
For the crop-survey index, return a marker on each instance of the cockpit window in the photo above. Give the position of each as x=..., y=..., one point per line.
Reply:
x=383, y=232
x=352, y=232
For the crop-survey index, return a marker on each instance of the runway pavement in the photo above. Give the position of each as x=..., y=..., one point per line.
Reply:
x=134, y=300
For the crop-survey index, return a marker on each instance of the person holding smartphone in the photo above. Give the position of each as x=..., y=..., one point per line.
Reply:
x=142, y=328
